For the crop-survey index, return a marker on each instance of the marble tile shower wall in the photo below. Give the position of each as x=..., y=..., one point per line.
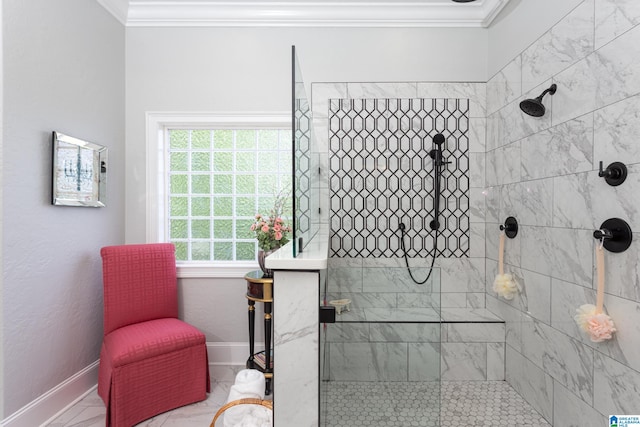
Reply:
x=461, y=279
x=544, y=171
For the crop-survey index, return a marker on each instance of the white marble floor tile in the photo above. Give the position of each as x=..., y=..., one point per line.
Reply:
x=90, y=411
x=350, y=404
x=81, y=416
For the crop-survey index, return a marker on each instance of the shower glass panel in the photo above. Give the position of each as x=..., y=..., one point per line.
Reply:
x=306, y=163
x=380, y=361
x=398, y=174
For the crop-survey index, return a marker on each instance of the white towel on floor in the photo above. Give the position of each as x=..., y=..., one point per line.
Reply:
x=255, y=416
x=250, y=383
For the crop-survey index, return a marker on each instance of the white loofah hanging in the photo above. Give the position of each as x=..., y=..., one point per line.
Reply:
x=505, y=285
x=591, y=318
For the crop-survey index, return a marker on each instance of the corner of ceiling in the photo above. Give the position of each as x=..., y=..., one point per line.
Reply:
x=492, y=9
x=118, y=8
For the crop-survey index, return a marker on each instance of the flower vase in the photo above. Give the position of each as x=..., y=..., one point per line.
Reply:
x=266, y=272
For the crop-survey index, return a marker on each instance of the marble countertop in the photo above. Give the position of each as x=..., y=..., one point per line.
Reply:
x=314, y=256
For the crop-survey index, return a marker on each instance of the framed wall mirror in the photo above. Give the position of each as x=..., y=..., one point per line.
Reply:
x=79, y=172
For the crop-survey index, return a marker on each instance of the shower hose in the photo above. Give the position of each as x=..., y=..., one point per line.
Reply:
x=406, y=259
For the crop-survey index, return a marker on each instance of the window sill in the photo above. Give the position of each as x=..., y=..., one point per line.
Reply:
x=207, y=270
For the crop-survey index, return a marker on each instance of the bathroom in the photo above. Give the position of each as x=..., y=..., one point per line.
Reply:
x=542, y=171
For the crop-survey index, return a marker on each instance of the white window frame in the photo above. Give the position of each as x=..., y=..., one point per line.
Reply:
x=157, y=176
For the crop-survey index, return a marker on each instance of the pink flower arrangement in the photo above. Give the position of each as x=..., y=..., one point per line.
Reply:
x=271, y=231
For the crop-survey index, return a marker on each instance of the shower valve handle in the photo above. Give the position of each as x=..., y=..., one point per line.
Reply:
x=609, y=172
x=615, y=174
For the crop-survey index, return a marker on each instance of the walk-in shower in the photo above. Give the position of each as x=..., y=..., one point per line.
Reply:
x=399, y=184
x=392, y=163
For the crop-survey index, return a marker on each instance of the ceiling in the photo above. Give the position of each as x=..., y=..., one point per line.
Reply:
x=304, y=13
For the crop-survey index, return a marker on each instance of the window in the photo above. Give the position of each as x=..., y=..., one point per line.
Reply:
x=212, y=176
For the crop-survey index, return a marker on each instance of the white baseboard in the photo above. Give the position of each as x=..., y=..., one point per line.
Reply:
x=230, y=353
x=50, y=405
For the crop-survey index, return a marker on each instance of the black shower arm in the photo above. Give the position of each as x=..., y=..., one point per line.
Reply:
x=551, y=89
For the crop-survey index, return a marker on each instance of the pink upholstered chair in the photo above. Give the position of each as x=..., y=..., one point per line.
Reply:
x=150, y=361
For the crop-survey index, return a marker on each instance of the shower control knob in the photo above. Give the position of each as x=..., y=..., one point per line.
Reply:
x=615, y=174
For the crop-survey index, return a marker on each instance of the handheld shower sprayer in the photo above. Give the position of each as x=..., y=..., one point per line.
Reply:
x=436, y=153
x=438, y=163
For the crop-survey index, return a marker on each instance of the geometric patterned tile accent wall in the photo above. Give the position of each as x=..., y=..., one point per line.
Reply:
x=381, y=174
x=302, y=162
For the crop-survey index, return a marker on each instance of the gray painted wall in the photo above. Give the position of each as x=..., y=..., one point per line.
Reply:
x=63, y=71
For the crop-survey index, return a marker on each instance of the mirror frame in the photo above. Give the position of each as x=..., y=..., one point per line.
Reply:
x=79, y=172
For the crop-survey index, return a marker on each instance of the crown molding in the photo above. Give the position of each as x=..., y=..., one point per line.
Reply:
x=210, y=13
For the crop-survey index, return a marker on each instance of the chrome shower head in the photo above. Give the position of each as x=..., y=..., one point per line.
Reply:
x=534, y=107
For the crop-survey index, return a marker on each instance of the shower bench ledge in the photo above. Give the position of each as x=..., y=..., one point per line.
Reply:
x=418, y=315
x=468, y=343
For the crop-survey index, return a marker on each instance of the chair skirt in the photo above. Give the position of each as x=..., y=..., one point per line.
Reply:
x=141, y=379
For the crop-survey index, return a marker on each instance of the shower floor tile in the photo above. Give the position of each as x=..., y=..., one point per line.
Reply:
x=406, y=404
x=382, y=404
